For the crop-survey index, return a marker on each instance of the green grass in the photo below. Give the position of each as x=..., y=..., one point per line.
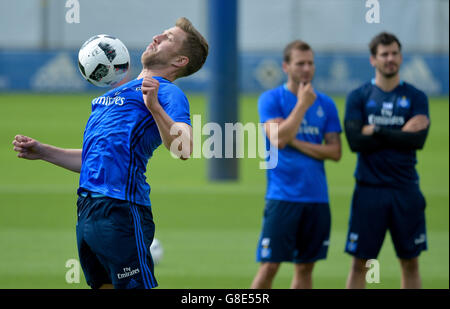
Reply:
x=208, y=230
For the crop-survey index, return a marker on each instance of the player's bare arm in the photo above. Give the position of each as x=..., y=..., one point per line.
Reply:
x=31, y=149
x=416, y=124
x=288, y=128
x=367, y=129
x=170, y=131
x=331, y=149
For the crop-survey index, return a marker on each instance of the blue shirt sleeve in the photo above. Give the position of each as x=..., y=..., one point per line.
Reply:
x=353, y=106
x=333, y=124
x=269, y=106
x=419, y=104
x=176, y=105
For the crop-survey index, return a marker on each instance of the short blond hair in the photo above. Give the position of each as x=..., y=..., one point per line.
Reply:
x=297, y=44
x=195, y=47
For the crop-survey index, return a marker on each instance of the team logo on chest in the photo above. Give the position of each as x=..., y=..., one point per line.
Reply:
x=387, y=109
x=387, y=117
x=403, y=102
x=320, y=112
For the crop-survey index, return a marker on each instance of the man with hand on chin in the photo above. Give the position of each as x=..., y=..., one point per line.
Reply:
x=304, y=127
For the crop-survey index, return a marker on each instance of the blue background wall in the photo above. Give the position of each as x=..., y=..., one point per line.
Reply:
x=336, y=73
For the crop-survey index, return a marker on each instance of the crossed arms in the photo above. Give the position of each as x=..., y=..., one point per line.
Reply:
x=368, y=138
x=287, y=130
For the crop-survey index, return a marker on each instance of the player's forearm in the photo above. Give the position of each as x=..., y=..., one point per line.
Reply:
x=66, y=158
x=175, y=137
x=359, y=142
x=288, y=129
x=401, y=140
x=318, y=151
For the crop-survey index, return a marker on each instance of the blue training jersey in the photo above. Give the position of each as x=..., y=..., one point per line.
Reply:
x=298, y=177
x=120, y=138
x=392, y=110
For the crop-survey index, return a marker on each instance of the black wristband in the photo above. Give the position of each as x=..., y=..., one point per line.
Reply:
x=376, y=130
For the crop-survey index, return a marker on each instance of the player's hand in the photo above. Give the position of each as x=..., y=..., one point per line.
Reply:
x=28, y=148
x=306, y=95
x=368, y=129
x=150, y=87
x=416, y=123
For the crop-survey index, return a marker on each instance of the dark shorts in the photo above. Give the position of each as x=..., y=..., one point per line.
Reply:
x=114, y=239
x=294, y=232
x=375, y=210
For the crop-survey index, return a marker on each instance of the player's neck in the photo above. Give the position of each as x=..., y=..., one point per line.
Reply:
x=387, y=84
x=156, y=72
x=292, y=86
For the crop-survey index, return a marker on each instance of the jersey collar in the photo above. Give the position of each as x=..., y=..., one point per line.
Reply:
x=373, y=82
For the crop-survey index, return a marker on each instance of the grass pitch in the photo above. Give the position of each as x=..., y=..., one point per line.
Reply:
x=208, y=230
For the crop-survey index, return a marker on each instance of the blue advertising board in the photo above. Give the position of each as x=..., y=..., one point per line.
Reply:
x=336, y=73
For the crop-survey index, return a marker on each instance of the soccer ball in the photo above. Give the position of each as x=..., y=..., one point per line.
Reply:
x=157, y=251
x=103, y=60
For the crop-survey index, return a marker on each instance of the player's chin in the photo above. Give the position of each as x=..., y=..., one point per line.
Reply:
x=305, y=80
x=145, y=54
x=391, y=68
x=390, y=73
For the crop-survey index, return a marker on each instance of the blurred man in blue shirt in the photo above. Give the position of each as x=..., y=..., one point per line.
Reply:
x=297, y=219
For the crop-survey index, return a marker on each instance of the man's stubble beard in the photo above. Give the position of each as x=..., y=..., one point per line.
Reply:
x=152, y=60
x=391, y=74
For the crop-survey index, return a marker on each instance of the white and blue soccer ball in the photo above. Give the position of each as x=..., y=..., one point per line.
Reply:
x=103, y=60
x=157, y=251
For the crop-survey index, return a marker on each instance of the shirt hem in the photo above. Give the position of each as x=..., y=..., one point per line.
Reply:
x=111, y=195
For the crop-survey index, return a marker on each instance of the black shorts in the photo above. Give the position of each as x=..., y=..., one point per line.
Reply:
x=294, y=232
x=375, y=210
x=114, y=239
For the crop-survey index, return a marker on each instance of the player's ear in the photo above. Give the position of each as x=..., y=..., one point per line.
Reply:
x=285, y=65
x=372, y=60
x=181, y=61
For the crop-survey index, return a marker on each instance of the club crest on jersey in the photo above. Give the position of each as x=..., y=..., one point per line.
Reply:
x=403, y=102
x=320, y=112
